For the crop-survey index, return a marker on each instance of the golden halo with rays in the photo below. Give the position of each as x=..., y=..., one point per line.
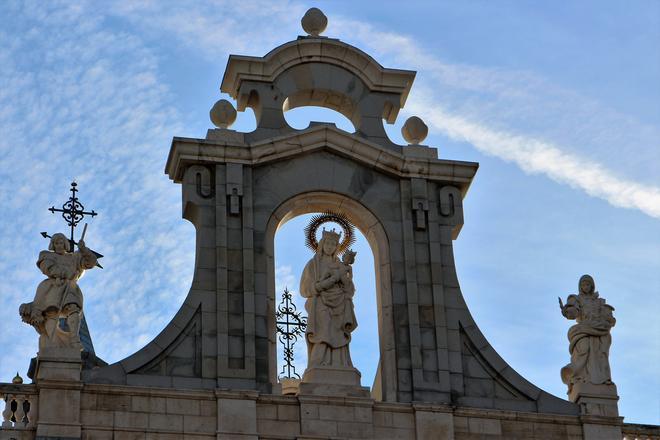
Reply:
x=326, y=217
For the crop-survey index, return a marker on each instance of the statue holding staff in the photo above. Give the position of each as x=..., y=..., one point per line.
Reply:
x=59, y=296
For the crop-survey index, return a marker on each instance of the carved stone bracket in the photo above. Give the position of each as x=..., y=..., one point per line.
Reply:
x=420, y=201
x=200, y=176
x=451, y=208
x=234, y=187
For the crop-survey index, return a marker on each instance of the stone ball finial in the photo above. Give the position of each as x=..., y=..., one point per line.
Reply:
x=17, y=380
x=223, y=114
x=414, y=130
x=314, y=22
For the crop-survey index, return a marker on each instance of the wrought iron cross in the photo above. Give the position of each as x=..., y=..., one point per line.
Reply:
x=72, y=211
x=290, y=325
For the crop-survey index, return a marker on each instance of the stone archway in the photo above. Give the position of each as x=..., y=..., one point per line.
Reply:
x=318, y=201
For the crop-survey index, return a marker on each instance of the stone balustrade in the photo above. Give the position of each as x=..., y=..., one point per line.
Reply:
x=633, y=431
x=19, y=411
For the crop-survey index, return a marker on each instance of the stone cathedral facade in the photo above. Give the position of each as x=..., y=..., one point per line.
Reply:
x=212, y=372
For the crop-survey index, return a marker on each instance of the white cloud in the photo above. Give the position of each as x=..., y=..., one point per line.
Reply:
x=81, y=100
x=539, y=157
x=491, y=108
x=514, y=115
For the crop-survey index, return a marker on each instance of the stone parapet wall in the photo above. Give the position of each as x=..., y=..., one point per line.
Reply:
x=128, y=412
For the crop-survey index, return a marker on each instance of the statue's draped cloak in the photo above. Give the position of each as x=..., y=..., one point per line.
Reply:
x=589, y=341
x=63, y=271
x=331, y=318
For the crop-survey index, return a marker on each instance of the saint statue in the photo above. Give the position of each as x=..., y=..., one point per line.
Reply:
x=59, y=296
x=327, y=285
x=590, y=338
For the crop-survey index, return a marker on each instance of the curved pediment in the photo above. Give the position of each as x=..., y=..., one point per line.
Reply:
x=316, y=50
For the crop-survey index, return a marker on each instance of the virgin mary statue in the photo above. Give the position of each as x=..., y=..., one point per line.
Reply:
x=327, y=284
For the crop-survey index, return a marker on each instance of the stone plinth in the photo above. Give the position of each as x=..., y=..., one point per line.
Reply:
x=289, y=386
x=599, y=409
x=58, y=364
x=333, y=381
x=58, y=380
x=595, y=400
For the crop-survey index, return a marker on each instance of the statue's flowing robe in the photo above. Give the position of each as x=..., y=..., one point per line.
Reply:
x=61, y=287
x=330, y=315
x=589, y=341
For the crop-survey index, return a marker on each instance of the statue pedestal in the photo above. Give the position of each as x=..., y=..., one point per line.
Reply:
x=58, y=380
x=333, y=381
x=598, y=409
x=58, y=364
x=596, y=400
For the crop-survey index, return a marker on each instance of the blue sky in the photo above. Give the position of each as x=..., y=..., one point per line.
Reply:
x=559, y=103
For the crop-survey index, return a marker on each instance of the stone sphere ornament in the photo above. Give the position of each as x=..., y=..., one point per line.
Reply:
x=414, y=130
x=314, y=22
x=223, y=114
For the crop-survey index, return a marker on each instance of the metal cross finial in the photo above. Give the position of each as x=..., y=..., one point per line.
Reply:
x=72, y=211
x=290, y=325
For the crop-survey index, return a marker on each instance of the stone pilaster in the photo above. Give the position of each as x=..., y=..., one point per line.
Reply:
x=433, y=421
x=237, y=415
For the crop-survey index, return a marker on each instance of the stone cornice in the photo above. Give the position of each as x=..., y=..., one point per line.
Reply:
x=187, y=151
x=321, y=50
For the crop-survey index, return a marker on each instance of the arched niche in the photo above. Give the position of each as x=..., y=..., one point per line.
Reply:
x=384, y=386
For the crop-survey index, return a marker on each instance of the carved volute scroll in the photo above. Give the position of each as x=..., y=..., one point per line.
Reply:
x=451, y=208
x=200, y=177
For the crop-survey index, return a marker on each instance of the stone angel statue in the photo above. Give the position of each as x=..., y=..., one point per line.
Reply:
x=58, y=296
x=589, y=339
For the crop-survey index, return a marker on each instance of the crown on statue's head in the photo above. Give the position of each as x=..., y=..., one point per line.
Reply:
x=330, y=234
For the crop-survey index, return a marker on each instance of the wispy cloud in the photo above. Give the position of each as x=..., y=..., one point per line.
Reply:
x=539, y=157
x=218, y=27
x=80, y=100
x=513, y=115
x=522, y=118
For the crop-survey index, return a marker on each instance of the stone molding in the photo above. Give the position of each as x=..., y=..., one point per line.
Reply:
x=110, y=410
x=187, y=151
